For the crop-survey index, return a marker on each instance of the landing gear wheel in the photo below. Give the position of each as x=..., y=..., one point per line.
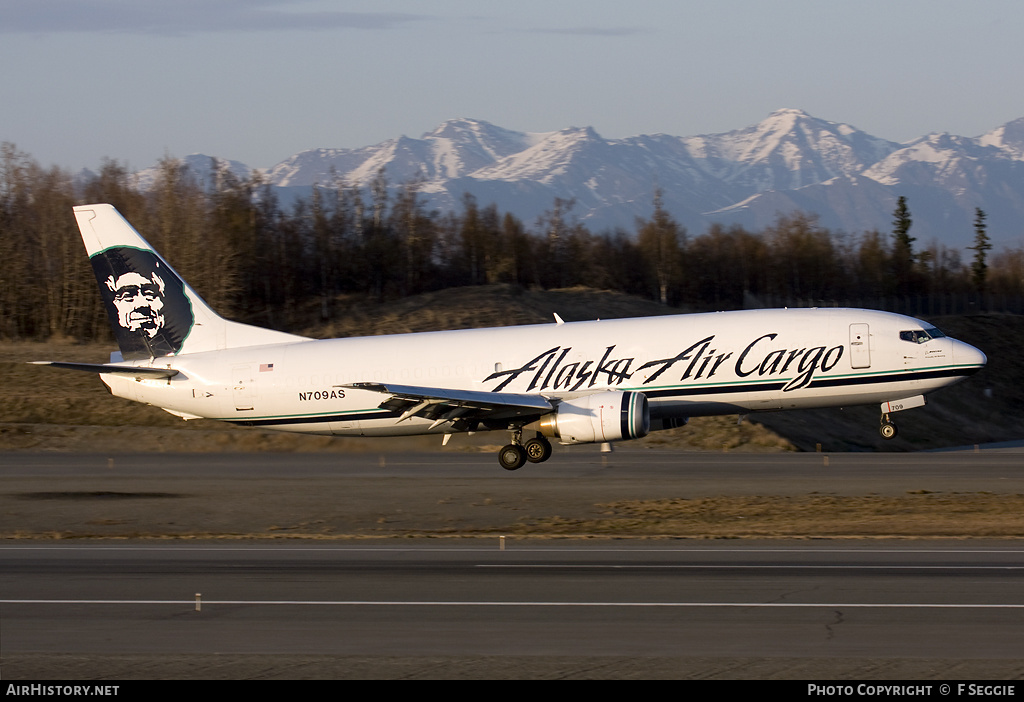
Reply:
x=887, y=430
x=537, y=450
x=512, y=457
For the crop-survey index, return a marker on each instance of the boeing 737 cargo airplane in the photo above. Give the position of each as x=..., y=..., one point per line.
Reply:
x=579, y=382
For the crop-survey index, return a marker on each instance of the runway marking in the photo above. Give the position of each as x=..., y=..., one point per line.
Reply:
x=511, y=548
x=467, y=603
x=726, y=566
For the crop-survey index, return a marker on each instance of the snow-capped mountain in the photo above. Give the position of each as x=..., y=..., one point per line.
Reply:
x=1009, y=137
x=789, y=161
x=788, y=150
x=944, y=178
x=455, y=149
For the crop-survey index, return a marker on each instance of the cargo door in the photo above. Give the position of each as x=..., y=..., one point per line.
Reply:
x=243, y=390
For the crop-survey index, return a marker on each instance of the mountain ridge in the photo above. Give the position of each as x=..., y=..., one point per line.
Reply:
x=790, y=160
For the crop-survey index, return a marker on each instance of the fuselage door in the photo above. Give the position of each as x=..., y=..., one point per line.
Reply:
x=242, y=380
x=860, y=347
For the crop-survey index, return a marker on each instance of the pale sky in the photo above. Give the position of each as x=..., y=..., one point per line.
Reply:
x=260, y=80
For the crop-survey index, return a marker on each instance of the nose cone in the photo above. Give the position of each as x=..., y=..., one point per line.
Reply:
x=967, y=357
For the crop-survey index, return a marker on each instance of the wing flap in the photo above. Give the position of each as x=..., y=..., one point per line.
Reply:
x=443, y=405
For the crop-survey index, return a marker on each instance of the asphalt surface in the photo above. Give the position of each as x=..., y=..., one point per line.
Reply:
x=487, y=607
x=401, y=495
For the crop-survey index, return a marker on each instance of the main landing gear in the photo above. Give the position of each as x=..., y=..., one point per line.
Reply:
x=887, y=428
x=514, y=455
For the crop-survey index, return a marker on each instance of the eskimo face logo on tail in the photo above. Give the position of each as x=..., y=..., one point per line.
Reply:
x=139, y=302
x=145, y=300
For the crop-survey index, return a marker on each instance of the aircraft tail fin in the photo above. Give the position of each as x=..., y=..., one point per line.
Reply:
x=152, y=310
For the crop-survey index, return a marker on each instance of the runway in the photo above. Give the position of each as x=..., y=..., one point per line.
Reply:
x=829, y=606
x=511, y=608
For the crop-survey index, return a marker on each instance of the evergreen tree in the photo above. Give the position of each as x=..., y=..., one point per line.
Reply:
x=901, y=224
x=903, y=246
x=979, y=269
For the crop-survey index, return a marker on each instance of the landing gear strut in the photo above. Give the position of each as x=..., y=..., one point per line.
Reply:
x=887, y=428
x=515, y=454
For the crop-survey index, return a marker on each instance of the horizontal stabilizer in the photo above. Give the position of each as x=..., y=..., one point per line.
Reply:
x=130, y=371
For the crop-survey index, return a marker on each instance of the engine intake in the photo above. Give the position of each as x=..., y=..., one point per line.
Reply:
x=603, y=416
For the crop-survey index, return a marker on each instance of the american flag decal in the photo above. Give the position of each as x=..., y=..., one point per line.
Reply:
x=265, y=367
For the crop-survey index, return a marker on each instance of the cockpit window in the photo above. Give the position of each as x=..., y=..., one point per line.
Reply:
x=920, y=336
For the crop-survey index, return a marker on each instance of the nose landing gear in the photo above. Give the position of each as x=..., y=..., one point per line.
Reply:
x=887, y=428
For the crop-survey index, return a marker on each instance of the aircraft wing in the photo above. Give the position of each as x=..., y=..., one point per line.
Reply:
x=454, y=406
x=131, y=371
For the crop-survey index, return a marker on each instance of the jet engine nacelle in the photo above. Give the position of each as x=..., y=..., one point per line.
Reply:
x=603, y=416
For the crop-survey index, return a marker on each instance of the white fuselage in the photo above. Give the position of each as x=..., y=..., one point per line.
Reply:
x=686, y=365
